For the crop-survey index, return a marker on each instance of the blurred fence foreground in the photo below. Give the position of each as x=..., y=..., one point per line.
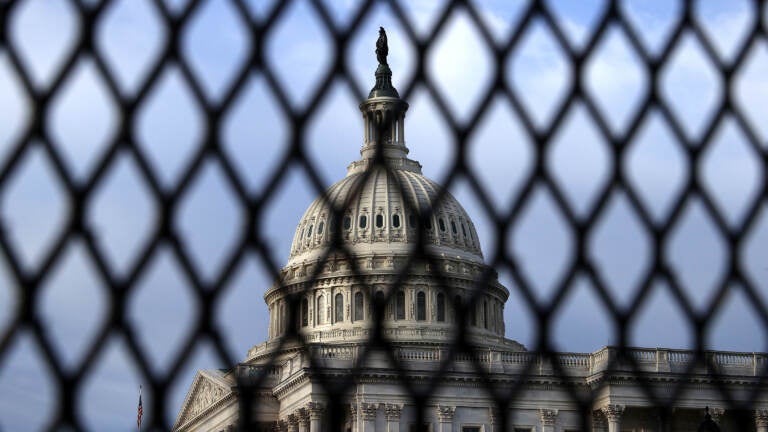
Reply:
x=387, y=315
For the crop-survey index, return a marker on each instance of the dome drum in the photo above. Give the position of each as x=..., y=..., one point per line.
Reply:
x=338, y=302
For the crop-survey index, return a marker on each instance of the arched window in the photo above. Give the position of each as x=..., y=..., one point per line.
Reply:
x=441, y=224
x=400, y=305
x=363, y=221
x=358, y=306
x=304, y=312
x=440, y=307
x=421, y=306
x=309, y=232
x=320, y=227
x=339, y=300
x=396, y=221
x=320, y=310
x=347, y=222
x=485, y=314
x=379, y=221
x=453, y=228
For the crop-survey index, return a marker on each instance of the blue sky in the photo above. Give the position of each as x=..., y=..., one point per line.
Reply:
x=168, y=128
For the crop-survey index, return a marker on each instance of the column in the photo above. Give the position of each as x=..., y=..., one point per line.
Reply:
x=293, y=423
x=445, y=418
x=368, y=413
x=613, y=414
x=495, y=418
x=316, y=410
x=393, y=412
x=353, y=416
x=548, y=419
x=303, y=415
x=598, y=421
x=761, y=420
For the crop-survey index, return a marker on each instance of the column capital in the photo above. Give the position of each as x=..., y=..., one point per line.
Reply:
x=493, y=415
x=316, y=410
x=293, y=422
x=598, y=421
x=445, y=413
x=613, y=412
x=716, y=414
x=303, y=415
x=761, y=417
x=393, y=411
x=368, y=410
x=548, y=416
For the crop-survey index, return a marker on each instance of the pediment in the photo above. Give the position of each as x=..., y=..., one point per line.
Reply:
x=208, y=388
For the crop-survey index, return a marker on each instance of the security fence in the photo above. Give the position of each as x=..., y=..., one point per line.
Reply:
x=118, y=287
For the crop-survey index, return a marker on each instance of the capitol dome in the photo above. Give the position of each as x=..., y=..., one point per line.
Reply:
x=386, y=239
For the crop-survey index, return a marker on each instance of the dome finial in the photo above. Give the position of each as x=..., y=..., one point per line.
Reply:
x=383, y=85
x=382, y=49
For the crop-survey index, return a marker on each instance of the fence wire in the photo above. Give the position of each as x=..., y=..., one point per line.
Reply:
x=119, y=287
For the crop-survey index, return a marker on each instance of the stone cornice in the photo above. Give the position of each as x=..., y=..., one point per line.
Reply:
x=462, y=279
x=630, y=378
x=287, y=386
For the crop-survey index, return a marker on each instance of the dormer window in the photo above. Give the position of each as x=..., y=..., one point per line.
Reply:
x=320, y=227
x=453, y=228
x=379, y=221
x=396, y=221
x=363, y=221
x=309, y=232
x=347, y=222
x=441, y=224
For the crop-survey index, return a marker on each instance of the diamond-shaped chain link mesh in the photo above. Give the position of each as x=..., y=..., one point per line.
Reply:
x=119, y=286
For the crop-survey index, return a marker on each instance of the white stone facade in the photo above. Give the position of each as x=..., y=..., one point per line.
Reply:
x=381, y=213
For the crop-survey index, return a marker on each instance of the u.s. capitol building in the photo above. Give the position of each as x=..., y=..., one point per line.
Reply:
x=388, y=212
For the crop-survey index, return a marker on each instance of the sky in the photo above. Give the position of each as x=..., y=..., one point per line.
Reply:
x=168, y=127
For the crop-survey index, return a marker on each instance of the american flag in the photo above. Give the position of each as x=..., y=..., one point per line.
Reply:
x=140, y=412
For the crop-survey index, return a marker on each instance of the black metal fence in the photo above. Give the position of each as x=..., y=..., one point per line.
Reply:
x=118, y=287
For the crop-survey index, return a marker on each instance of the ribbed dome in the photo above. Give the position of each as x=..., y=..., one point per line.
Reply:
x=381, y=214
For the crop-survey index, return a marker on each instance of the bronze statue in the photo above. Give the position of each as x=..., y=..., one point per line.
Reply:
x=381, y=47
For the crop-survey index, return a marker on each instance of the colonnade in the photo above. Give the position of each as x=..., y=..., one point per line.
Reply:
x=362, y=418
